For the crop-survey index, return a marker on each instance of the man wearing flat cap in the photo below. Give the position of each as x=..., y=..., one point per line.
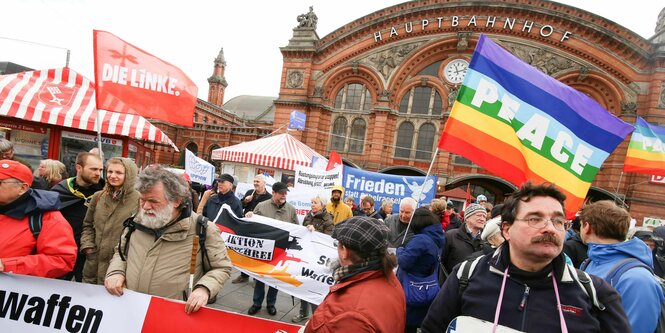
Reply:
x=366, y=296
x=276, y=208
x=35, y=239
x=225, y=195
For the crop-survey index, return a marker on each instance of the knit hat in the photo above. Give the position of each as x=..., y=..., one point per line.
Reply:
x=473, y=209
x=492, y=227
x=365, y=235
x=481, y=197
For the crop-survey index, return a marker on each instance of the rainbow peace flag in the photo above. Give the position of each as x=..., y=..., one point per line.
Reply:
x=646, y=150
x=521, y=125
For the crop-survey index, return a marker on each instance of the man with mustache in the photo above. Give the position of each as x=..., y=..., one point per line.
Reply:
x=526, y=284
x=154, y=257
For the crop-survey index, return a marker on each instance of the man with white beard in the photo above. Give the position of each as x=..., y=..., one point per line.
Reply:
x=154, y=255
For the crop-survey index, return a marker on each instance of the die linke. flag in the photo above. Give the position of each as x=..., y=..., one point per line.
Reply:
x=522, y=125
x=646, y=150
x=130, y=80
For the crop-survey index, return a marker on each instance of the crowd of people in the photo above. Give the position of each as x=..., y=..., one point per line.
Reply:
x=518, y=264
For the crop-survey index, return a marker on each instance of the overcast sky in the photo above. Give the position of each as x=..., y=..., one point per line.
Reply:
x=189, y=34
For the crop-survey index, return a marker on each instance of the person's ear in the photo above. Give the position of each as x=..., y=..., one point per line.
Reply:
x=505, y=227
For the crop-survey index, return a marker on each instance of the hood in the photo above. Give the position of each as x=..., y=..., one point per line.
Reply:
x=605, y=255
x=338, y=188
x=33, y=201
x=131, y=171
x=659, y=232
x=434, y=232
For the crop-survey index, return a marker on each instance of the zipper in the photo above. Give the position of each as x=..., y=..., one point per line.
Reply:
x=522, y=305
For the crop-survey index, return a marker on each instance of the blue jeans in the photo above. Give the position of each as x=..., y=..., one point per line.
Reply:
x=259, y=293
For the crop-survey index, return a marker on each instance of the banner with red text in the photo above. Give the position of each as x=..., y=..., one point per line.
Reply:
x=31, y=304
x=130, y=80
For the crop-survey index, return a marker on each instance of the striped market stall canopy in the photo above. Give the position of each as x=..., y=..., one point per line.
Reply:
x=65, y=98
x=281, y=151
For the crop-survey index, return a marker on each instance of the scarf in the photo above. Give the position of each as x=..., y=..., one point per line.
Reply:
x=342, y=273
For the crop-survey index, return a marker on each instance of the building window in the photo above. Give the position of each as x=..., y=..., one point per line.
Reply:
x=357, y=141
x=404, y=140
x=338, y=139
x=459, y=160
x=421, y=101
x=354, y=97
x=425, y=142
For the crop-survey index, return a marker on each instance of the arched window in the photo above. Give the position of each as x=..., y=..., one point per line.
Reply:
x=193, y=147
x=338, y=139
x=404, y=140
x=425, y=142
x=357, y=141
x=353, y=96
x=421, y=101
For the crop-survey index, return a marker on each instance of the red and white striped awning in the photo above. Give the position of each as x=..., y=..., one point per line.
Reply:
x=281, y=151
x=65, y=98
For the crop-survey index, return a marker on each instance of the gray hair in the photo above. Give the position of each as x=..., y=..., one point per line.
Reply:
x=386, y=202
x=323, y=200
x=6, y=145
x=408, y=202
x=260, y=177
x=175, y=187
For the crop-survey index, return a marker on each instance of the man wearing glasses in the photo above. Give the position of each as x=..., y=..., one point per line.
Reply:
x=525, y=284
x=46, y=249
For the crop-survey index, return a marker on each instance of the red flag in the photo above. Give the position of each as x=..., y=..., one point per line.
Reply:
x=334, y=161
x=130, y=80
x=468, y=196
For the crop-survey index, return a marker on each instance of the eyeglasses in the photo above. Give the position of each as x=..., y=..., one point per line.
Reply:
x=10, y=181
x=538, y=222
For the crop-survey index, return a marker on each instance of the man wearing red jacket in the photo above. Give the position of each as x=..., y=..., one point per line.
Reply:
x=49, y=253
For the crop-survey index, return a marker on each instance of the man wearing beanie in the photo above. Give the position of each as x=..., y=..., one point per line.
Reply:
x=366, y=295
x=464, y=241
x=46, y=249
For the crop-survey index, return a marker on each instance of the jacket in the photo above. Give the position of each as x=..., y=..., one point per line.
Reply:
x=103, y=224
x=55, y=249
x=640, y=293
x=160, y=266
x=365, y=302
x=397, y=230
x=322, y=221
x=341, y=211
x=575, y=249
x=285, y=212
x=256, y=198
x=459, y=246
x=214, y=204
x=529, y=301
x=419, y=257
x=74, y=202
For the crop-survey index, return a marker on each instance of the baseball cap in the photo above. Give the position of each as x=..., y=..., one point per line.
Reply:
x=280, y=187
x=362, y=234
x=225, y=177
x=13, y=169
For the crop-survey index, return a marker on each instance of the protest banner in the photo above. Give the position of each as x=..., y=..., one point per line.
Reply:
x=32, y=304
x=307, y=177
x=282, y=255
x=198, y=169
x=384, y=186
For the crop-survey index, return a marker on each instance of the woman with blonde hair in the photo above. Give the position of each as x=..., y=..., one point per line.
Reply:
x=52, y=172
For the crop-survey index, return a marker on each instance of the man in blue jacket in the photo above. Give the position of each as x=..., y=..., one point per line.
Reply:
x=225, y=195
x=604, y=226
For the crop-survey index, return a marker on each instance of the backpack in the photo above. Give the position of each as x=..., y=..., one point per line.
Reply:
x=35, y=225
x=615, y=273
x=581, y=278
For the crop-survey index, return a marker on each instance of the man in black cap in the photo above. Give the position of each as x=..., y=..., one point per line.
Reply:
x=276, y=208
x=225, y=195
x=366, y=293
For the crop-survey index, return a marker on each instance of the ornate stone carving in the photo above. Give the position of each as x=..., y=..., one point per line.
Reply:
x=463, y=40
x=386, y=61
x=452, y=95
x=584, y=73
x=295, y=78
x=543, y=60
x=661, y=100
x=307, y=20
x=384, y=96
x=660, y=24
x=628, y=107
x=318, y=91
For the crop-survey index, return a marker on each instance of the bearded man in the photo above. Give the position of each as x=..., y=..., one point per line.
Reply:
x=154, y=256
x=339, y=210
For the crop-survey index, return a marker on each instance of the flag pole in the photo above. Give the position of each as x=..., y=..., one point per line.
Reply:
x=436, y=153
x=98, y=125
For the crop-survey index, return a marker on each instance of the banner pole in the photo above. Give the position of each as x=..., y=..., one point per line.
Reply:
x=98, y=125
x=616, y=190
x=429, y=170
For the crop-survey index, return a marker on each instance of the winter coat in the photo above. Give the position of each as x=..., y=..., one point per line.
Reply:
x=214, y=204
x=285, y=212
x=204, y=198
x=160, y=266
x=419, y=257
x=455, y=221
x=73, y=199
x=459, y=246
x=103, y=224
x=529, y=302
x=397, y=229
x=341, y=211
x=640, y=293
x=365, y=302
x=322, y=221
x=256, y=199
x=54, y=249
x=576, y=250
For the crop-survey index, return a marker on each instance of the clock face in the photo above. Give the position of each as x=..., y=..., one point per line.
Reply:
x=455, y=70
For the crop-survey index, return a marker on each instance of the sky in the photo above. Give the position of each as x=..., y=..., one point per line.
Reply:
x=189, y=34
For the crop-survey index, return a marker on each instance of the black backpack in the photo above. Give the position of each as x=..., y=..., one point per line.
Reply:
x=35, y=224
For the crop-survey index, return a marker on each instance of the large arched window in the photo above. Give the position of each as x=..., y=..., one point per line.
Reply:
x=404, y=140
x=338, y=139
x=353, y=96
x=425, y=141
x=357, y=141
x=421, y=101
